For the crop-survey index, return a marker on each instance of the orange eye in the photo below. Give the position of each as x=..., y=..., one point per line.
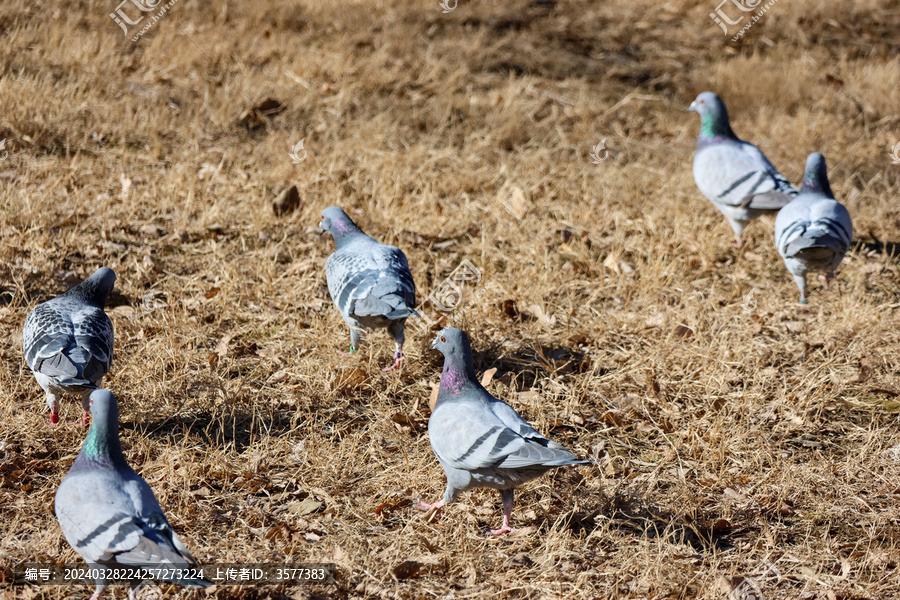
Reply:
x=443, y=339
x=322, y=217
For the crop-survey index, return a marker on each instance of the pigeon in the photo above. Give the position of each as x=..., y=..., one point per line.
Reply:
x=479, y=440
x=68, y=341
x=813, y=232
x=369, y=282
x=733, y=174
x=109, y=514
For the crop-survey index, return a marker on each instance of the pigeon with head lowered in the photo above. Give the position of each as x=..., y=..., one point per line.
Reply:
x=68, y=341
x=813, y=232
x=479, y=440
x=733, y=174
x=109, y=514
x=370, y=282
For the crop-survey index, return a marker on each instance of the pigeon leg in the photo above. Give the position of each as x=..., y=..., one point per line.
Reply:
x=396, y=331
x=801, y=283
x=398, y=358
x=507, y=496
x=86, y=409
x=354, y=341
x=98, y=591
x=53, y=403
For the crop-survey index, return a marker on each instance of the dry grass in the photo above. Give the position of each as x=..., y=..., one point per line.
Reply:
x=725, y=430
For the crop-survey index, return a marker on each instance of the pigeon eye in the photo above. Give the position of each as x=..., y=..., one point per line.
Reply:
x=443, y=340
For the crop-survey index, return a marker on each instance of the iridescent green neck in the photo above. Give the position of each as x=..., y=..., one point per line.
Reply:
x=714, y=125
x=101, y=447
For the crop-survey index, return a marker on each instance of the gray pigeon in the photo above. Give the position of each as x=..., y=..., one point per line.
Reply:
x=109, y=514
x=68, y=341
x=479, y=440
x=813, y=232
x=370, y=283
x=733, y=174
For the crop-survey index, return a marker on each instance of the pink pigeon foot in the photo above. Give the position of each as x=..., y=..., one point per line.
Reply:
x=735, y=244
x=424, y=506
x=342, y=353
x=398, y=358
x=505, y=528
x=54, y=420
x=86, y=418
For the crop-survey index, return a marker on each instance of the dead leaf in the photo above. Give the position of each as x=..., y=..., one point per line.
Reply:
x=404, y=423
x=487, y=377
x=222, y=346
x=514, y=202
x=683, y=331
x=407, y=569
x=211, y=292
x=350, y=379
x=306, y=507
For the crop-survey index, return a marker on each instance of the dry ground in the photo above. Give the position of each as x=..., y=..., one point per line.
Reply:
x=728, y=425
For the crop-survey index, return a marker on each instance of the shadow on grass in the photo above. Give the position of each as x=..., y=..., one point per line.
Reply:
x=638, y=517
x=872, y=244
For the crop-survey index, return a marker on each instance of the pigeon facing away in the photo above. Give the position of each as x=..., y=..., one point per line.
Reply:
x=68, y=341
x=813, y=232
x=733, y=174
x=370, y=283
x=109, y=514
x=479, y=440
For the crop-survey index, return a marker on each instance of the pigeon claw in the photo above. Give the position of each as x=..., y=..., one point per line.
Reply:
x=398, y=358
x=436, y=509
x=505, y=528
x=86, y=418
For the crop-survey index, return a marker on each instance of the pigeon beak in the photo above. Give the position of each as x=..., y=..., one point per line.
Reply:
x=434, y=344
x=692, y=107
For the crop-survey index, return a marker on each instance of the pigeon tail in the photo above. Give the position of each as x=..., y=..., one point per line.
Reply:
x=802, y=243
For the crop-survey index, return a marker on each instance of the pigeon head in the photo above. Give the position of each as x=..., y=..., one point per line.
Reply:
x=336, y=222
x=101, y=446
x=95, y=289
x=458, y=366
x=713, y=117
x=815, y=178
